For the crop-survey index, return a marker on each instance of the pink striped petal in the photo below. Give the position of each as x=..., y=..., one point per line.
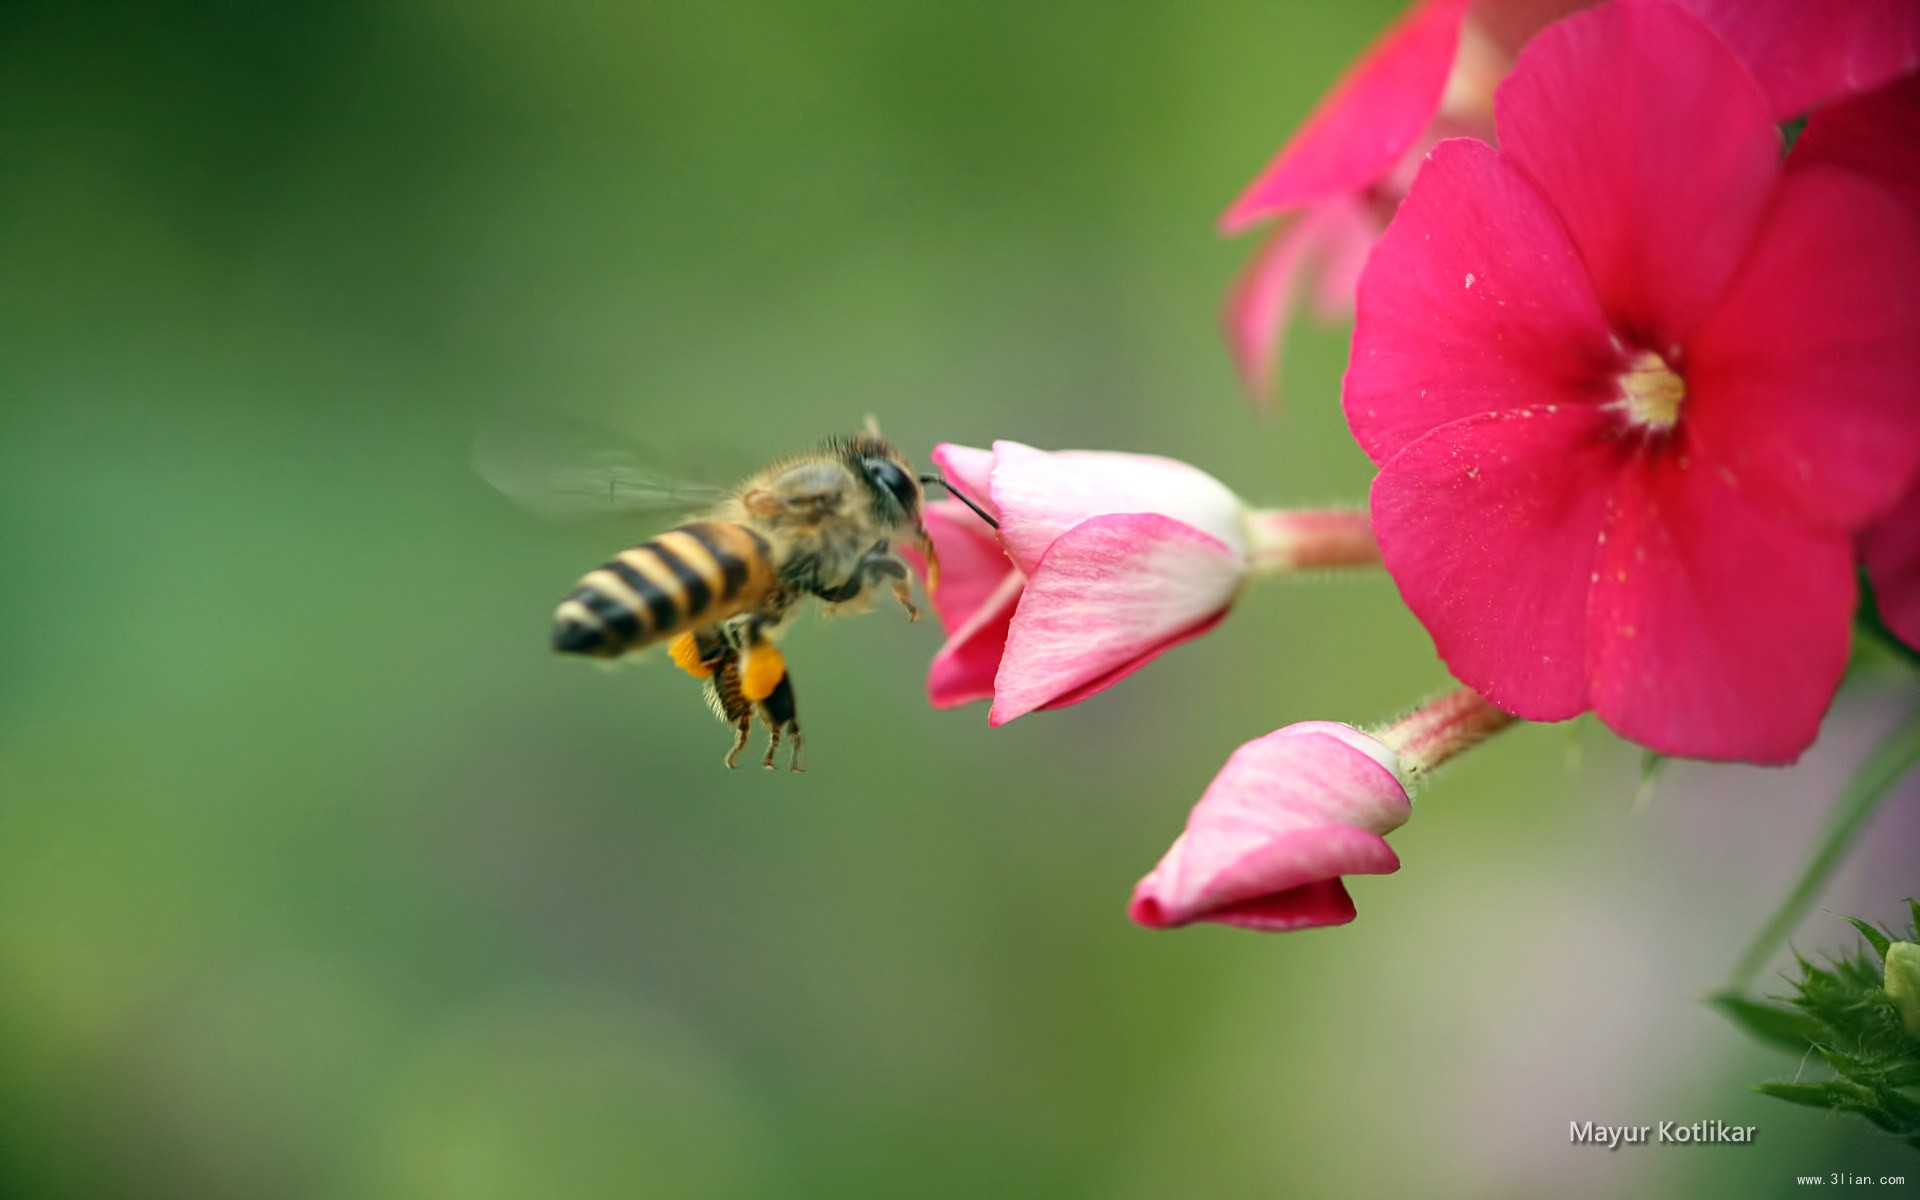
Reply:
x=1102, y=683
x=965, y=668
x=1656, y=148
x=1714, y=630
x=1366, y=122
x=1109, y=592
x=1265, y=847
x=1807, y=52
x=1040, y=495
x=971, y=470
x=972, y=564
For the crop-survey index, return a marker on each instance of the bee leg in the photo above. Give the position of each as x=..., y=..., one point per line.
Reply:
x=729, y=703
x=740, y=732
x=781, y=715
x=879, y=563
x=904, y=594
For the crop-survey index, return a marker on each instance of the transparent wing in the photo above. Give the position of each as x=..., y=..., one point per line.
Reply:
x=565, y=470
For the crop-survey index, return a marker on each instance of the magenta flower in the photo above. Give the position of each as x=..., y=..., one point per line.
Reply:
x=1877, y=135
x=1808, y=52
x=1633, y=387
x=1287, y=816
x=1335, y=185
x=1102, y=563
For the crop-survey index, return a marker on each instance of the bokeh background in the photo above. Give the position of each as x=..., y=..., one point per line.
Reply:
x=320, y=877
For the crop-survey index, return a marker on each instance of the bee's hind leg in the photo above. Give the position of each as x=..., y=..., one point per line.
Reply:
x=740, y=733
x=729, y=703
x=781, y=715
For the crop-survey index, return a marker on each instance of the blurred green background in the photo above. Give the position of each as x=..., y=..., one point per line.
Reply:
x=321, y=877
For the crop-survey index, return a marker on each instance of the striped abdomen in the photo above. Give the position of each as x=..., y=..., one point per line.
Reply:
x=684, y=579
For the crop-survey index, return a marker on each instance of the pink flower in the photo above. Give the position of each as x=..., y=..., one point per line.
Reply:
x=1102, y=563
x=1335, y=185
x=1633, y=387
x=1807, y=52
x=1295, y=810
x=1877, y=135
x=1287, y=816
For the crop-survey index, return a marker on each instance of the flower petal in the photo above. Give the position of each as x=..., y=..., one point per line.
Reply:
x=1266, y=845
x=1040, y=495
x=1490, y=526
x=971, y=469
x=1656, y=148
x=1261, y=305
x=1352, y=229
x=1101, y=683
x=1714, y=631
x=1369, y=119
x=1807, y=52
x=972, y=563
x=1330, y=240
x=1112, y=590
x=1473, y=302
x=1874, y=134
x=1892, y=553
x=965, y=668
x=1805, y=382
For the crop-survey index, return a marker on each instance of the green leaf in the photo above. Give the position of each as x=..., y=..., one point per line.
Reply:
x=1885, y=767
x=1813, y=1095
x=1878, y=940
x=1854, y=1068
x=1903, y=1075
x=1784, y=1028
x=1899, y=1104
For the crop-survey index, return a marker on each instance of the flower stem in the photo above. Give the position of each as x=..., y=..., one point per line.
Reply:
x=1442, y=728
x=1294, y=539
x=1872, y=783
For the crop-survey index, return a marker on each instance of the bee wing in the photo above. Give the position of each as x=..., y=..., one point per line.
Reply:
x=568, y=471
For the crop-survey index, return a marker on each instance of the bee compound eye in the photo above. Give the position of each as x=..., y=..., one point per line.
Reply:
x=891, y=477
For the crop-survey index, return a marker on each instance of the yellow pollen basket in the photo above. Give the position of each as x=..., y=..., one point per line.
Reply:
x=1652, y=392
x=761, y=670
x=686, y=655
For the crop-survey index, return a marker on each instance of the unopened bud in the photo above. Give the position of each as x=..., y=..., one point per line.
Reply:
x=1903, y=983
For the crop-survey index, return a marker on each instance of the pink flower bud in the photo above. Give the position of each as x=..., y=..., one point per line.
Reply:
x=1102, y=562
x=1280, y=824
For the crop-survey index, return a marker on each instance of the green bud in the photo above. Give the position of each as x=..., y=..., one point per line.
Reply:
x=1903, y=983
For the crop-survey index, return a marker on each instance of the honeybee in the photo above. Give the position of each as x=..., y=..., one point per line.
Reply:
x=719, y=590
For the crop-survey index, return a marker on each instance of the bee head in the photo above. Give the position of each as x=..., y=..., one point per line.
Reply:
x=891, y=483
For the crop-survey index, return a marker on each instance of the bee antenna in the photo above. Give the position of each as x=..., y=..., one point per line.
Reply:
x=962, y=498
